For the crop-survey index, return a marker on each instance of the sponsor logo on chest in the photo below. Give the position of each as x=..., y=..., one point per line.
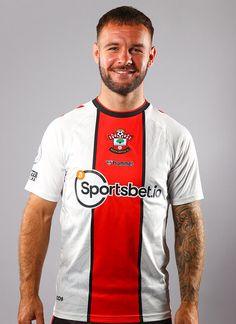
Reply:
x=92, y=189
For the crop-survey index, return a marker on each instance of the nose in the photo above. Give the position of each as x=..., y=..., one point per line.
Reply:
x=125, y=57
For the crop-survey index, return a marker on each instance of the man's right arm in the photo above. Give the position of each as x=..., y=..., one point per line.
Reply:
x=33, y=244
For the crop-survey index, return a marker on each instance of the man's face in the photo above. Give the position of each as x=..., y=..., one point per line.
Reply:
x=123, y=53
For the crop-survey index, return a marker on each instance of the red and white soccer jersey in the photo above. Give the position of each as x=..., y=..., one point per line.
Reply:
x=117, y=173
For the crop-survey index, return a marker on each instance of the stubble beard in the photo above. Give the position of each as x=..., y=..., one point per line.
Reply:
x=124, y=89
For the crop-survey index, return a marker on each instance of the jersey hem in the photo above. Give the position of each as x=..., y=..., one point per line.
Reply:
x=114, y=319
x=186, y=200
x=41, y=194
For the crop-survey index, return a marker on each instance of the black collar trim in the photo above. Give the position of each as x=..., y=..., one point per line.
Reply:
x=120, y=114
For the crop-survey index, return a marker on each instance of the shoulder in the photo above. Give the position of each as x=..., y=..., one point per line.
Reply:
x=65, y=123
x=174, y=131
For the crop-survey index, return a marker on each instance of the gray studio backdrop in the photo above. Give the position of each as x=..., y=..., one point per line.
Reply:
x=47, y=69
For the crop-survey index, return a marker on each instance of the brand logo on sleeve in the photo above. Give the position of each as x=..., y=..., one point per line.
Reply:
x=120, y=141
x=92, y=189
x=33, y=175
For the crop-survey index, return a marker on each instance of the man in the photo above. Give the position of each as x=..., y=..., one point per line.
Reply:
x=117, y=162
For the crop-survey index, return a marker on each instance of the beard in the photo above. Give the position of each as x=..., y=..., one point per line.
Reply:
x=122, y=89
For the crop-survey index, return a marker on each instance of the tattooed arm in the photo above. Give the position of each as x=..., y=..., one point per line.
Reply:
x=189, y=251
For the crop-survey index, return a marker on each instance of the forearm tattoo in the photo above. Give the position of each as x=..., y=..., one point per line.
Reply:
x=189, y=249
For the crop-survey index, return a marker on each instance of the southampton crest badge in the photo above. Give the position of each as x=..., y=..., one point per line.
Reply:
x=120, y=141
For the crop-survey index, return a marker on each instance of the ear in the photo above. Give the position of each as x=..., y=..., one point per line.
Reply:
x=152, y=56
x=96, y=52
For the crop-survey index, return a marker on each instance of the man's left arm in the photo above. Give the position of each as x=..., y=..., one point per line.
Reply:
x=189, y=252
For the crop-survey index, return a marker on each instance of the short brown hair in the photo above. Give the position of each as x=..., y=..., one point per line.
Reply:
x=125, y=15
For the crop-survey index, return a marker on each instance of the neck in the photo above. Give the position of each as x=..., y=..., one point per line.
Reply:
x=115, y=101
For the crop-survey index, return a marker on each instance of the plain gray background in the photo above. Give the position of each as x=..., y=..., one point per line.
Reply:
x=47, y=69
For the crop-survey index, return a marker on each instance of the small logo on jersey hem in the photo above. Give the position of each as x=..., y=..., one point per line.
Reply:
x=120, y=163
x=33, y=175
x=120, y=141
x=59, y=298
x=92, y=189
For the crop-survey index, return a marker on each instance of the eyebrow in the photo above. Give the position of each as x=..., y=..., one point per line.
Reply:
x=111, y=44
x=117, y=44
x=138, y=45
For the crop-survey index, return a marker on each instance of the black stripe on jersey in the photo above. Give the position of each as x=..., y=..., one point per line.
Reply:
x=91, y=265
x=92, y=221
x=95, y=139
x=118, y=113
x=141, y=217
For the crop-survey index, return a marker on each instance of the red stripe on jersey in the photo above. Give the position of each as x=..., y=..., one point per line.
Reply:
x=116, y=232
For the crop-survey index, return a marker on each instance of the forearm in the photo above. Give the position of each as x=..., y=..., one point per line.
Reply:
x=33, y=243
x=189, y=249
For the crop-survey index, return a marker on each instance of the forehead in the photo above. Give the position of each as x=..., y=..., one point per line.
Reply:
x=124, y=33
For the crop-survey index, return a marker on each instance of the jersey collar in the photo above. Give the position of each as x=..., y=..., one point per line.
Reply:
x=116, y=113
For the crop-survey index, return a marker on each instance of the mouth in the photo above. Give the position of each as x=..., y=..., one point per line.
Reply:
x=124, y=72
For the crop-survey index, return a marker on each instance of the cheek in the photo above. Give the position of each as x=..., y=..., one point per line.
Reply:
x=106, y=60
x=141, y=62
x=145, y=62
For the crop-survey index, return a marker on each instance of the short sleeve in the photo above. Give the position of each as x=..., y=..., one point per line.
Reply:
x=47, y=175
x=184, y=184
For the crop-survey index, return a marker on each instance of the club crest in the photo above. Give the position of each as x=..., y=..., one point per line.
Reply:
x=120, y=140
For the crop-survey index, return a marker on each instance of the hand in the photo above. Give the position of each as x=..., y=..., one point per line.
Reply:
x=29, y=310
x=187, y=314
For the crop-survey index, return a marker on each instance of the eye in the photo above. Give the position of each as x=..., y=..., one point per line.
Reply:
x=113, y=49
x=136, y=50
